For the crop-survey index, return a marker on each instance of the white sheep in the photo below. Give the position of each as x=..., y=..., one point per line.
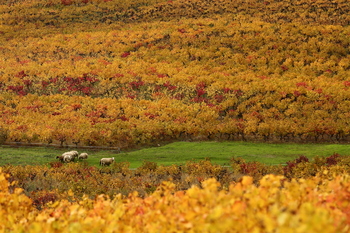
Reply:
x=75, y=153
x=68, y=157
x=106, y=161
x=83, y=156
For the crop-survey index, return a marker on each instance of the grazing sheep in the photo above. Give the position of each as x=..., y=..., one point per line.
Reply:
x=72, y=155
x=60, y=158
x=83, y=156
x=75, y=153
x=68, y=157
x=106, y=161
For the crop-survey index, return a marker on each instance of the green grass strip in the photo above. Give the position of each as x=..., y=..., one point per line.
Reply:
x=180, y=153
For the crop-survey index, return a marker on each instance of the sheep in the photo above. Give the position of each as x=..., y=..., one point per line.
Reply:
x=83, y=156
x=60, y=158
x=72, y=155
x=66, y=153
x=106, y=161
x=68, y=157
x=75, y=153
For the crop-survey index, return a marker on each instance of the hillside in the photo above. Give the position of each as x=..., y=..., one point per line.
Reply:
x=116, y=73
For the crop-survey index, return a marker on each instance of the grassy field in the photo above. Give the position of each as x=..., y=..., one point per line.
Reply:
x=180, y=152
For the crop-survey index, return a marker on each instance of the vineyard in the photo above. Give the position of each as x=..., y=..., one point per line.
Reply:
x=111, y=73
x=303, y=196
x=124, y=74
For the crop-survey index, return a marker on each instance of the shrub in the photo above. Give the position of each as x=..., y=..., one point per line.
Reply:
x=333, y=159
x=41, y=198
x=146, y=167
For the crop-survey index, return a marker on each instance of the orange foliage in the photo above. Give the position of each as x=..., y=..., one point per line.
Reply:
x=103, y=72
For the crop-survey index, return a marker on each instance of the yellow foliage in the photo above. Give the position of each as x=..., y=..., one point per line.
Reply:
x=173, y=68
x=300, y=205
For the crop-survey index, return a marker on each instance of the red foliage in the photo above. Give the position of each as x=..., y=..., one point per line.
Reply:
x=118, y=75
x=150, y=115
x=201, y=92
x=346, y=83
x=44, y=84
x=162, y=75
x=284, y=68
x=42, y=197
x=301, y=84
x=66, y=2
x=292, y=164
x=227, y=90
x=55, y=164
x=219, y=98
x=169, y=86
x=296, y=93
x=19, y=90
x=136, y=84
x=21, y=74
x=125, y=54
x=333, y=159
